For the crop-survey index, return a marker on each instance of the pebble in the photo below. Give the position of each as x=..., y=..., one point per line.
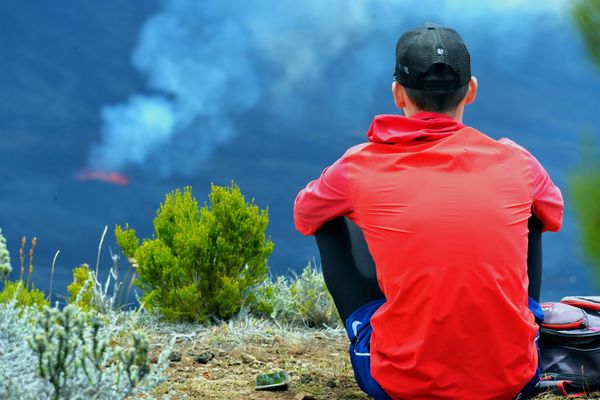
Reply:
x=175, y=355
x=297, y=351
x=304, y=396
x=204, y=358
x=248, y=358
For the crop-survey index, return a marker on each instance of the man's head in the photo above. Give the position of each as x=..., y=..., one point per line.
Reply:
x=433, y=72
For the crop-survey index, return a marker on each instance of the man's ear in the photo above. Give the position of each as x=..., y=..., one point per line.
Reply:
x=399, y=95
x=472, y=91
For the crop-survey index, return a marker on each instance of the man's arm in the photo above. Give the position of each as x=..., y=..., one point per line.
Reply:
x=323, y=199
x=548, y=202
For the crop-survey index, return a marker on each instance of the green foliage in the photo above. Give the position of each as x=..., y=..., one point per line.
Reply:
x=312, y=298
x=587, y=18
x=81, y=290
x=273, y=299
x=24, y=297
x=5, y=267
x=302, y=298
x=585, y=188
x=127, y=240
x=585, y=183
x=201, y=260
x=18, y=291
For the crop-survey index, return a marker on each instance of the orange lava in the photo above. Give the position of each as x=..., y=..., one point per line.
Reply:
x=114, y=178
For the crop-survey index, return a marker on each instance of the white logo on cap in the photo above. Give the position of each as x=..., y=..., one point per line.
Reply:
x=406, y=70
x=440, y=51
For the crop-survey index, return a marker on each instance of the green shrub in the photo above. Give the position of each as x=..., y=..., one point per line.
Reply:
x=5, y=267
x=312, y=299
x=81, y=290
x=78, y=356
x=585, y=188
x=586, y=14
x=303, y=298
x=273, y=299
x=127, y=240
x=200, y=260
x=19, y=291
x=24, y=297
x=585, y=183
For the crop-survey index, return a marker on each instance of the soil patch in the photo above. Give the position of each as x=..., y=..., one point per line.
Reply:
x=222, y=362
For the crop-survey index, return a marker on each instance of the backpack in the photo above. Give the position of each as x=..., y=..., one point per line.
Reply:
x=570, y=346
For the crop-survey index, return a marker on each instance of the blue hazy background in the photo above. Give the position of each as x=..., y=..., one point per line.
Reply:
x=267, y=93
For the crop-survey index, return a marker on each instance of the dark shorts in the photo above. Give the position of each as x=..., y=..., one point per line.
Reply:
x=358, y=327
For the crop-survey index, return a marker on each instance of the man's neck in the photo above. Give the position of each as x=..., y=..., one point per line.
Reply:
x=455, y=114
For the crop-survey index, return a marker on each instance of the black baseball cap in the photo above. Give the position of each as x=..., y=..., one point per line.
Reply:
x=429, y=48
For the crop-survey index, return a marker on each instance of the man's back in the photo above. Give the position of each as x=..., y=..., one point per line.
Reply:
x=444, y=210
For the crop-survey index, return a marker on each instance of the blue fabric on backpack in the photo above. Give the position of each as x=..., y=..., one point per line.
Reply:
x=537, y=311
x=358, y=327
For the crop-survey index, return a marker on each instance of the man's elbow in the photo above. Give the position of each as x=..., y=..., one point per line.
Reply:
x=306, y=230
x=302, y=224
x=552, y=223
x=552, y=226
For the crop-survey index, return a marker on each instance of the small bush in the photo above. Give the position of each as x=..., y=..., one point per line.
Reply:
x=127, y=240
x=19, y=293
x=200, y=260
x=585, y=186
x=22, y=296
x=71, y=354
x=88, y=293
x=81, y=290
x=585, y=193
x=303, y=298
x=17, y=361
x=273, y=299
x=312, y=299
x=75, y=358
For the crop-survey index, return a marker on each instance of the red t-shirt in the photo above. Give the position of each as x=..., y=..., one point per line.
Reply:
x=444, y=210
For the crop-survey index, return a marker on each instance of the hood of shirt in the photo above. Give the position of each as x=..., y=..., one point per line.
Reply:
x=423, y=126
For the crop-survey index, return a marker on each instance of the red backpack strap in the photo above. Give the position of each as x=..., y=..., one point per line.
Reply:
x=563, y=388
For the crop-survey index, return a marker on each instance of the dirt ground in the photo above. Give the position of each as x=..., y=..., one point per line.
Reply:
x=222, y=363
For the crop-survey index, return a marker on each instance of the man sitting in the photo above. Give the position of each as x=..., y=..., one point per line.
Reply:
x=444, y=210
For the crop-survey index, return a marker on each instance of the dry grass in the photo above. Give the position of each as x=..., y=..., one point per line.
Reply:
x=316, y=361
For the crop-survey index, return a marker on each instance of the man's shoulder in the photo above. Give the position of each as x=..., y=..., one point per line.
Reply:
x=503, y=142
x=476, y=133
x=508, y=142
x=520, y=150
x=355, y=149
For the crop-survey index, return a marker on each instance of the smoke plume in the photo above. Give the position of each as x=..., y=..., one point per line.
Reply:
x=210, y=63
